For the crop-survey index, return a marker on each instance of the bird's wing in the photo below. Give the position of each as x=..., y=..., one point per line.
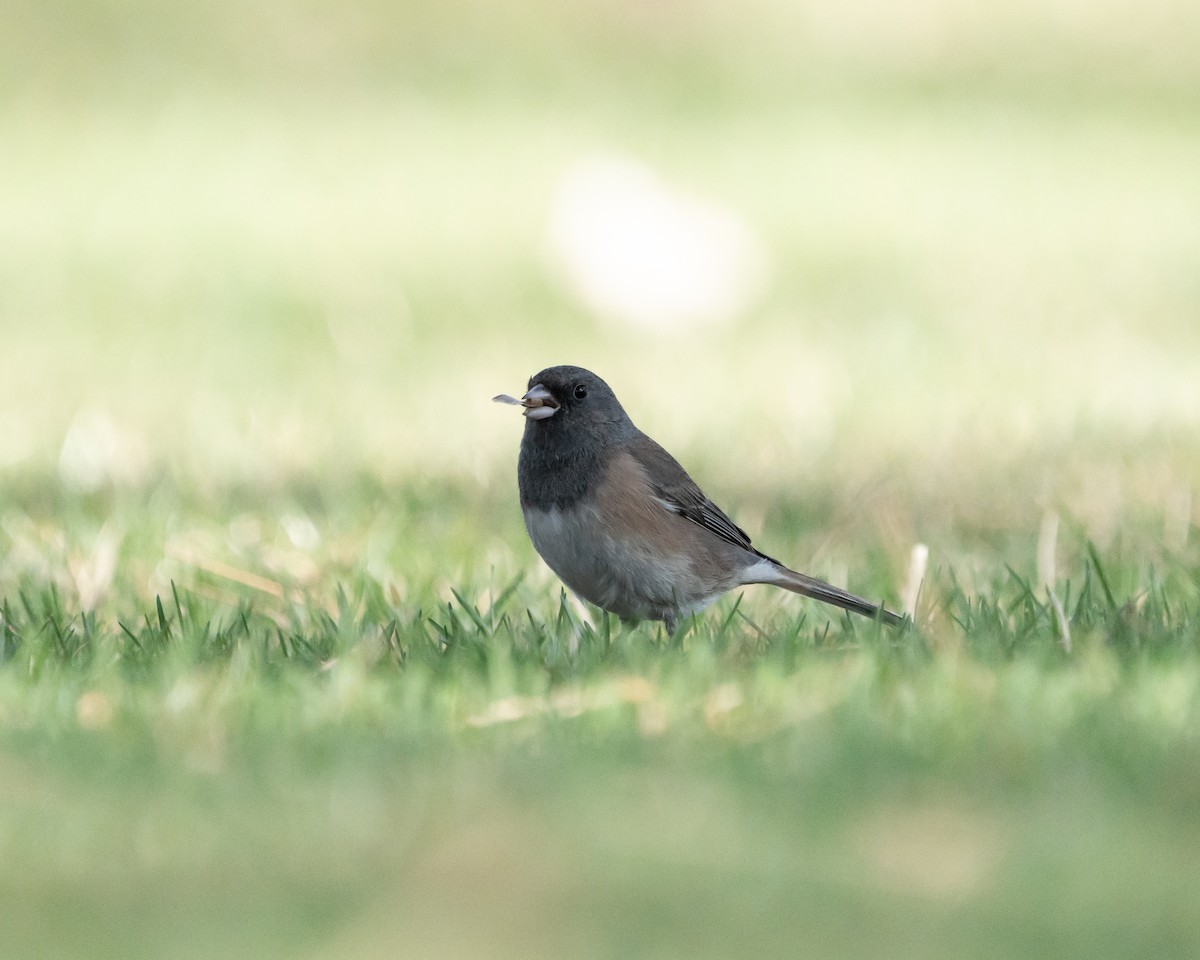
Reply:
x=680, y=494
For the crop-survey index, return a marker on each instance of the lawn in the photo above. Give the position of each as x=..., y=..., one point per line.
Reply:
x=280, y=674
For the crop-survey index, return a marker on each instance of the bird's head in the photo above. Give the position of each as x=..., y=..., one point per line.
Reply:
x=569, y=398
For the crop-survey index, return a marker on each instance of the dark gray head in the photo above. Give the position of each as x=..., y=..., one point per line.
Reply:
x=572, y=420
x=571, y=398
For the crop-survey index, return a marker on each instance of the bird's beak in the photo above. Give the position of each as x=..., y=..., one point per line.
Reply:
x=539, y=403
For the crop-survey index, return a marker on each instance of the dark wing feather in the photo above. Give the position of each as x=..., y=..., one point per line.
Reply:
x=680, y=493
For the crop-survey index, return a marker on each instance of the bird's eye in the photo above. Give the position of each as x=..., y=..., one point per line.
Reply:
x=580, y=391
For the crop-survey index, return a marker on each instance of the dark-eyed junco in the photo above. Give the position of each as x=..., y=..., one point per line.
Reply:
x=620, y=521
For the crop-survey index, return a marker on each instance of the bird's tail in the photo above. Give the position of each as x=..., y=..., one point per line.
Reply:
x=775, y=573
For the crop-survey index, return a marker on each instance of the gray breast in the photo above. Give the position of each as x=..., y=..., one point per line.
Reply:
x=617, y=577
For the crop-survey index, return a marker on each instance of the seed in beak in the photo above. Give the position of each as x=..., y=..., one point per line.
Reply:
x=539, y=403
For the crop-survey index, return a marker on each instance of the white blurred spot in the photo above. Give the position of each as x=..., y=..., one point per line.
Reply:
x=721, y=700
x=636, y=249
x=184, y=695
x=90, y=452
x=301, y=531
x=1047, y=548
x=93, y=710
x=918, y=560
x=93, y=573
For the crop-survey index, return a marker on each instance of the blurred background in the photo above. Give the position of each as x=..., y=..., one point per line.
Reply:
x=242, y=240
x=878, y=274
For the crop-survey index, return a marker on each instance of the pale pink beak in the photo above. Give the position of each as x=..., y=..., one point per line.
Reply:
x=539, y=403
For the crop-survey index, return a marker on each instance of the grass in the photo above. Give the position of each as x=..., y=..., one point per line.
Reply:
x=280, y=674
x=343, y=757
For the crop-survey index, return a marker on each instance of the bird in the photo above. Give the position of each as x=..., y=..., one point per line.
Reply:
x=619, y=520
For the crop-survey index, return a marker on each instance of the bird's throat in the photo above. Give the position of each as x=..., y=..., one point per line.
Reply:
x=556, y=469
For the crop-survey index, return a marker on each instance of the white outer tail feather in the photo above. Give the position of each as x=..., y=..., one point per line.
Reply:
x=776, y=574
